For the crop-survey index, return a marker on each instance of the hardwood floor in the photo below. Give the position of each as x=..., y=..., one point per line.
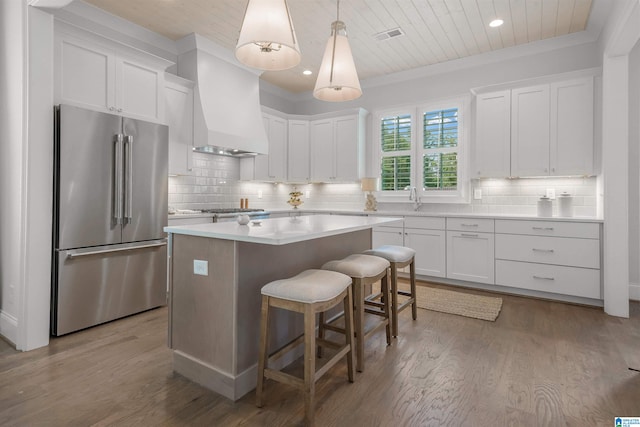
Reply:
x=540, y=364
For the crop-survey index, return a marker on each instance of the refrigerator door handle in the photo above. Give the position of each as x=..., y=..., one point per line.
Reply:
x=86, y=252
x=117, y=178
x=128, y=179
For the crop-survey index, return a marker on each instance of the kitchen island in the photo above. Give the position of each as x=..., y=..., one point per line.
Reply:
x=215, y=273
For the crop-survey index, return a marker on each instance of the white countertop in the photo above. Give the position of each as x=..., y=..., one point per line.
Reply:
x=281, y=231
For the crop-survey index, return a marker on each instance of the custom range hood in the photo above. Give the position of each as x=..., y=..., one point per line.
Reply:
x=227, y=112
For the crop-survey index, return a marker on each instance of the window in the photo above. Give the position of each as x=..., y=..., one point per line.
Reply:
x=426, y=153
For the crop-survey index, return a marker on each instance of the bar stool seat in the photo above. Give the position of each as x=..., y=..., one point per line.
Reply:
x=310, y=292
x=399, y=257
x=364, y=270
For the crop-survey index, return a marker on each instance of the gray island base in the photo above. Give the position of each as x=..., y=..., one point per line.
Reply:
x=214, y=319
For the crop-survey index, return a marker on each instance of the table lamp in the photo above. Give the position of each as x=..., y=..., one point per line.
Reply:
x=370, y=184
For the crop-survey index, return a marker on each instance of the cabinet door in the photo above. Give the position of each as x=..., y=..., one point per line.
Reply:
x=277, y=149
x=261, y=161
x=530, y=131
x=272, y=166
x=84, y=75
x=430, y=247
x=346, y=142
x=387, y=236
x=179, y=118
x=493, y=135
x=322, y=151
x=298, y=151
x=571, y=143
x=470, y=256
x=138, y=90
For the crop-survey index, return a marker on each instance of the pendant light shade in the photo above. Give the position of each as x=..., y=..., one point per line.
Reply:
x=267, y=39
x=337, y=79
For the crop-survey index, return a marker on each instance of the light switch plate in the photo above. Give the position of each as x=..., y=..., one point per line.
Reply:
x=200, y=267
x=259, y=194
x=477, y=194
x=551, y=193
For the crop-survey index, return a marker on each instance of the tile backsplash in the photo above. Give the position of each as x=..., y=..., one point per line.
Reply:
x=215, y=183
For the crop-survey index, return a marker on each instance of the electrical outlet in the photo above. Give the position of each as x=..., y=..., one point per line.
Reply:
x=259, y=194
x=307, y=194
x=551, y=193
x=477, y=194
x=200, y=267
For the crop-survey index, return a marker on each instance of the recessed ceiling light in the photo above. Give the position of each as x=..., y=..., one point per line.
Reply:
x=307, y=72
x=496, y=23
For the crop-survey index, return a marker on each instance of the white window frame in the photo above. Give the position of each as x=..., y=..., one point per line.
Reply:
x=461, y=194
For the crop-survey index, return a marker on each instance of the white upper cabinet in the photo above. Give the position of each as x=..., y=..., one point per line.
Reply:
x=493, y=135
x=571, y=138
x=337, y=148
x=272, y=166
x=298, y=151
x=102, y=75
x=322, y=150
x=543, y=130
x=530, y=131
x=179, y=117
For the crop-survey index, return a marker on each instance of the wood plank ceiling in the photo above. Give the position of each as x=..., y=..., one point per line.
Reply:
x=434, y=31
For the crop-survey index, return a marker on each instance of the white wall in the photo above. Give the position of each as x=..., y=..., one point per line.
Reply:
x=26, y=118
x=634, y=174
x=458, y=77
x=12, y=114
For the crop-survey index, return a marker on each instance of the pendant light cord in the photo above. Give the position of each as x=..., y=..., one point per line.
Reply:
x=335, y=36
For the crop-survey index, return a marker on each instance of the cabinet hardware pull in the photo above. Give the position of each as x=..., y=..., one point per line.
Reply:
x=541, y=250
x=468, y=235
x=543, y=278
x=469, y=225
x=543, y=228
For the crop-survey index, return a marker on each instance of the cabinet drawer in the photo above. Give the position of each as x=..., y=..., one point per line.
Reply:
x=429, y=223
x=471, y=224
x=549, y=250
x=584, y=230
x=580, y=282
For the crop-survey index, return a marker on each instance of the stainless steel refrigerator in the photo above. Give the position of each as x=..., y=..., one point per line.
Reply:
x=110, y=254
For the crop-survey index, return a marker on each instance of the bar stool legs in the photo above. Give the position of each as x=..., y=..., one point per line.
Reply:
x=309, y=293
x=364, y=270
x=399, y=257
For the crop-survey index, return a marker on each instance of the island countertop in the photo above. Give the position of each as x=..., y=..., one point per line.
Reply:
x=282, y=231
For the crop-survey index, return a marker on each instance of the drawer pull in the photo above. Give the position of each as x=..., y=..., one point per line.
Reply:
x=469, y=225
x=543, y=278
x=543, y=228
x=542, y=250
x=468, y=235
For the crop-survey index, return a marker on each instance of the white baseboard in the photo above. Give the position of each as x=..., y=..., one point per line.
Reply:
x=634, y=291
x=8, y=327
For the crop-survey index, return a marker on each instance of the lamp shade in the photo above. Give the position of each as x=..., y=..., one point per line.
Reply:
x=369, y=184
x=267, y=39
x=337, y=77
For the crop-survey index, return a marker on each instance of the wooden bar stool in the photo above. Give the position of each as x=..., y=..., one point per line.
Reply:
x=310, y=292
x=399, y=257
x=364, y=270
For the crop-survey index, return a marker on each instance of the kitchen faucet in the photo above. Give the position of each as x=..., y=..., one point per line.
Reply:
x=413, y=195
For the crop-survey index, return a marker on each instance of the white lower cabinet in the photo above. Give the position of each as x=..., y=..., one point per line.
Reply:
x=549, y=256
x=470, y=256
x=430, y=250
x=425, y=235
x=387, y=236
x=557, y=279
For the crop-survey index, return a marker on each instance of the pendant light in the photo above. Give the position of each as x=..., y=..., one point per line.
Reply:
x=337, y=77
x=267, y=39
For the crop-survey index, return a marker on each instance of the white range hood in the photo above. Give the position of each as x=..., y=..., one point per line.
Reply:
x=227, y=113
